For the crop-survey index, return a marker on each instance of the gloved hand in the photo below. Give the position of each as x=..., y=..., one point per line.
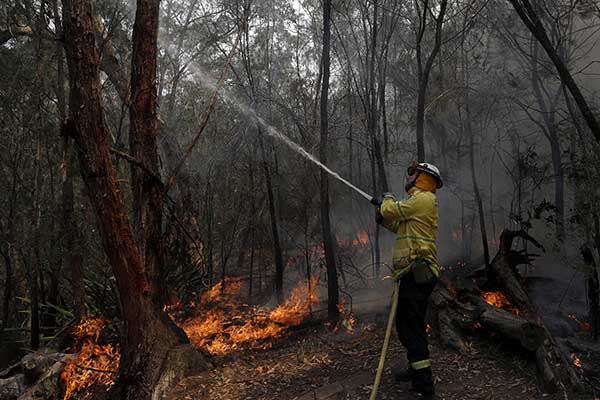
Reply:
x=376, y=201
x=378, y=217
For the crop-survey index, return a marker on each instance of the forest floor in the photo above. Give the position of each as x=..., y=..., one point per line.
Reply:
x=318, y=364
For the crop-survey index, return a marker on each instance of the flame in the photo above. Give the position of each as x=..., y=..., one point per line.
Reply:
x=428, y=329
x=95, y=366
x=362, y=238
x=347, y=320
x=496, y=299
x=499, y=300
x=576, y=360
x=224, y=324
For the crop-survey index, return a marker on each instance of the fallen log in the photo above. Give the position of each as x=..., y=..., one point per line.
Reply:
x=12, y=387
x=530, y=335
x=35, y=376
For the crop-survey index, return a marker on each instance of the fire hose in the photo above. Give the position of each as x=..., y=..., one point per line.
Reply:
x=386, y=342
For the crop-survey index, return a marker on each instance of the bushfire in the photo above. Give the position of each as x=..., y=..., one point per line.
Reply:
x=496, y=299
x=95, y=366
x=576, y=361
x=499, y=300
x=222, y=324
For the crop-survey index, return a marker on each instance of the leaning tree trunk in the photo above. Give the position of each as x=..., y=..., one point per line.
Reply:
x=332, y=281
x=151, y=343
x=533, y=22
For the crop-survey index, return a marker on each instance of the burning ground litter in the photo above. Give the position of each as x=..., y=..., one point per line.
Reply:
x=223, y=323
x=220, y=323
x=95, y=367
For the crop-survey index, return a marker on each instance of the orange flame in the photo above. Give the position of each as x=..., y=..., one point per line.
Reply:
x=496, y=299
x=95, y=366
x=362, y=238
x=347, y=319
x=576, y=360
x=229, y=325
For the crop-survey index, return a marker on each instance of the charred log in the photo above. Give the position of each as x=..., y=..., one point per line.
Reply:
x=449, y=323
x=503, y=272
x=530, y=335
x=35, y=376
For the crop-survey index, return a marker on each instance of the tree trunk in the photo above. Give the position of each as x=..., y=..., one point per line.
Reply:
x=150, y=341
x=548, y=115
x=332, y=280
x=531, y=20
x=146, y=188
x=277, y=253
x=593, y=292
x=423, y=71
x=476, y=192
x=7, y=290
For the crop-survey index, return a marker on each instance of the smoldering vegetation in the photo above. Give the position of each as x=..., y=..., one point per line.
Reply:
x=513, y=147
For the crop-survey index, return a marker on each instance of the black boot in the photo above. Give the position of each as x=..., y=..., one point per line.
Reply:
x=422, y=384
x=423, y=392
x=403, y=375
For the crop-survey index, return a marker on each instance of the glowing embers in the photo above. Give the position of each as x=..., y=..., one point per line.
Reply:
x=223, y=323
x=575, y=360
x=499, y=300
x=96, y=364
x=346, y=320
x=496, y=299
x=584, y=326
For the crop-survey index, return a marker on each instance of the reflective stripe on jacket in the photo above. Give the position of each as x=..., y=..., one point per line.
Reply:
x=415, y=222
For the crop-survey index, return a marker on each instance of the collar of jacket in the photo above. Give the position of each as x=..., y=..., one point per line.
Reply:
x=415, y=190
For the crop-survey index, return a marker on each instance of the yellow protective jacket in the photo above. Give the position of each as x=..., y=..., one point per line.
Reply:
x=415, y=222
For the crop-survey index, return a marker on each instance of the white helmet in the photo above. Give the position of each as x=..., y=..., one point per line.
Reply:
x=430, y=169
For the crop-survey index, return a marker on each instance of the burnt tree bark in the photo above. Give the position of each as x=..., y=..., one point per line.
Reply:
x=502, y=270
x=146, y=188
x=332, y=280
x=152, y=352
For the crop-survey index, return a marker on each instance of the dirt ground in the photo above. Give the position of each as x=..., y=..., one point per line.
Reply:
x=318, y=364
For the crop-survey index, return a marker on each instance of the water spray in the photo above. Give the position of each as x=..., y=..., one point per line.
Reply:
x=270, y=130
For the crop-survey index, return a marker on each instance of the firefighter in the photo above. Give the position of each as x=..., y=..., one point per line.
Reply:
x=415, y=267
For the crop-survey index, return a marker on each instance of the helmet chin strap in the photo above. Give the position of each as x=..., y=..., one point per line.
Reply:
x=411, y=182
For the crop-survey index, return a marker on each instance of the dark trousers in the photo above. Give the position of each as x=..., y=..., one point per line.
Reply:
x=410, y=324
